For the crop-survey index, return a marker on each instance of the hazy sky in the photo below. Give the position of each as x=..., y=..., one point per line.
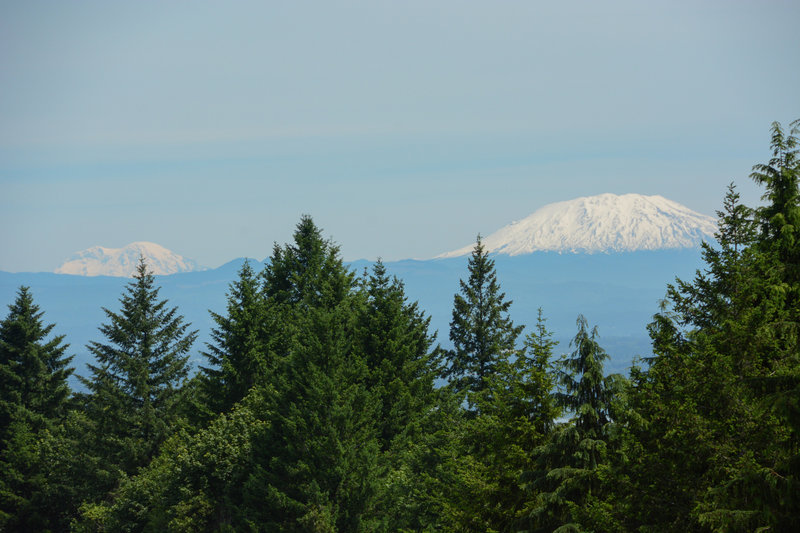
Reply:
x=403, y=128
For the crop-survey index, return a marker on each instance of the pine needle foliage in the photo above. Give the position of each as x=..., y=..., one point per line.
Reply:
x=135, y=386
x=33, y=401
x=33, y=370
x=481, y=330
x=567, y=483
x=315, y=459
x=726, y=376
x=241, y=355
x=392, y=337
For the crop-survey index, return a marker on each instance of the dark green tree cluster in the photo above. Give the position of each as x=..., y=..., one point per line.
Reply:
x=34, y=399
x=535, y=437
x=715, y=439
x=317, y=387
x=318, y=408
x=240, y=355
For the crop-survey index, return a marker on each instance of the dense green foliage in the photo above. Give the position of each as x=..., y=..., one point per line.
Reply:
x=482, y=333
x=33, y=402
x=726, y=376
x=318, y=408
x=135, y=395
x=240, y=356
x=316, y=458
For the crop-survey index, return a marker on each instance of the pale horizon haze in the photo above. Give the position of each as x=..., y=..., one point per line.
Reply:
x=402, y=128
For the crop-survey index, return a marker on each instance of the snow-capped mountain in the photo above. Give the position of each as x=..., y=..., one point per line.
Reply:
x=603, y=223
x=122, y=262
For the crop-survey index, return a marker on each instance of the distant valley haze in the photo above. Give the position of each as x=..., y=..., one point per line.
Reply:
x=612, y=265
x=198, y=136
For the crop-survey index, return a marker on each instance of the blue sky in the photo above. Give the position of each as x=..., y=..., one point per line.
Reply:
x=403, y=128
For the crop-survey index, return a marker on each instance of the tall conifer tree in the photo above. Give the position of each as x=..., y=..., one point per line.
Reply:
x=33, y=370
x=241, y=354
x=691, y=390
x=33, y=399
x=516, y=415
x=307, y=273
x=393, y=339
x=726, y=376
x=567, y=486
x=315, y=458
x=763, y=489
x=481, y=330
x=136, y=383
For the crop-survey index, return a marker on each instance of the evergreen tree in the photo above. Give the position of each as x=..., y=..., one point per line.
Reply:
x=481, y=330
x=423, y=489
x=241, y=354
x=780, y=242
x=307, y=273
x=392, y=337
x=33, y=400
x=762, y=489
x=726, y=376
x=394, y=341
x=33, y=371
x=719, y=290
x=315, y=458
x=692, y=390
x=195, y=482
x=135, y=386
x=780, y=218
x=567, y=485
x=516, y=415
x=586, y=393
x=538, y=380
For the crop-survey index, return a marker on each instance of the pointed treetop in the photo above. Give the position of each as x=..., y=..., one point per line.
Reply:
x=481, y=330
x=780, y=177
x=308, y=271
x=33, y=370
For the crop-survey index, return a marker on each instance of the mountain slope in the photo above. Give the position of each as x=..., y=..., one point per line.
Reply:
x=100, y=261
x=603, y=223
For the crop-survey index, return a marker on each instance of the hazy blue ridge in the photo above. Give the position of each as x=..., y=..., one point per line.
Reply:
x=619, y=292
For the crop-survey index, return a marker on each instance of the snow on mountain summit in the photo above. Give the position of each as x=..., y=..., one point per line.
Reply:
x=603, y=223
x=122, y=262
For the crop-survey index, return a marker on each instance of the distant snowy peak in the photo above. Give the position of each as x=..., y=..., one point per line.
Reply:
x=122, y=262
x=603, y=223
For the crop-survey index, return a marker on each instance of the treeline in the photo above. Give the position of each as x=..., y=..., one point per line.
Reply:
x=325, y=406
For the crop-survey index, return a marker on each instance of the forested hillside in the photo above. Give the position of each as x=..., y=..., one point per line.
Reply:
x=317, y=406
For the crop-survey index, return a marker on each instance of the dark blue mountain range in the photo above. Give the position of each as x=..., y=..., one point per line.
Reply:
x=618, y=292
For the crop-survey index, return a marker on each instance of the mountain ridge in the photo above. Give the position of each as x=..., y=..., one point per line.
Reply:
x=122, y=262
x=617, y=292
x=601, y=223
